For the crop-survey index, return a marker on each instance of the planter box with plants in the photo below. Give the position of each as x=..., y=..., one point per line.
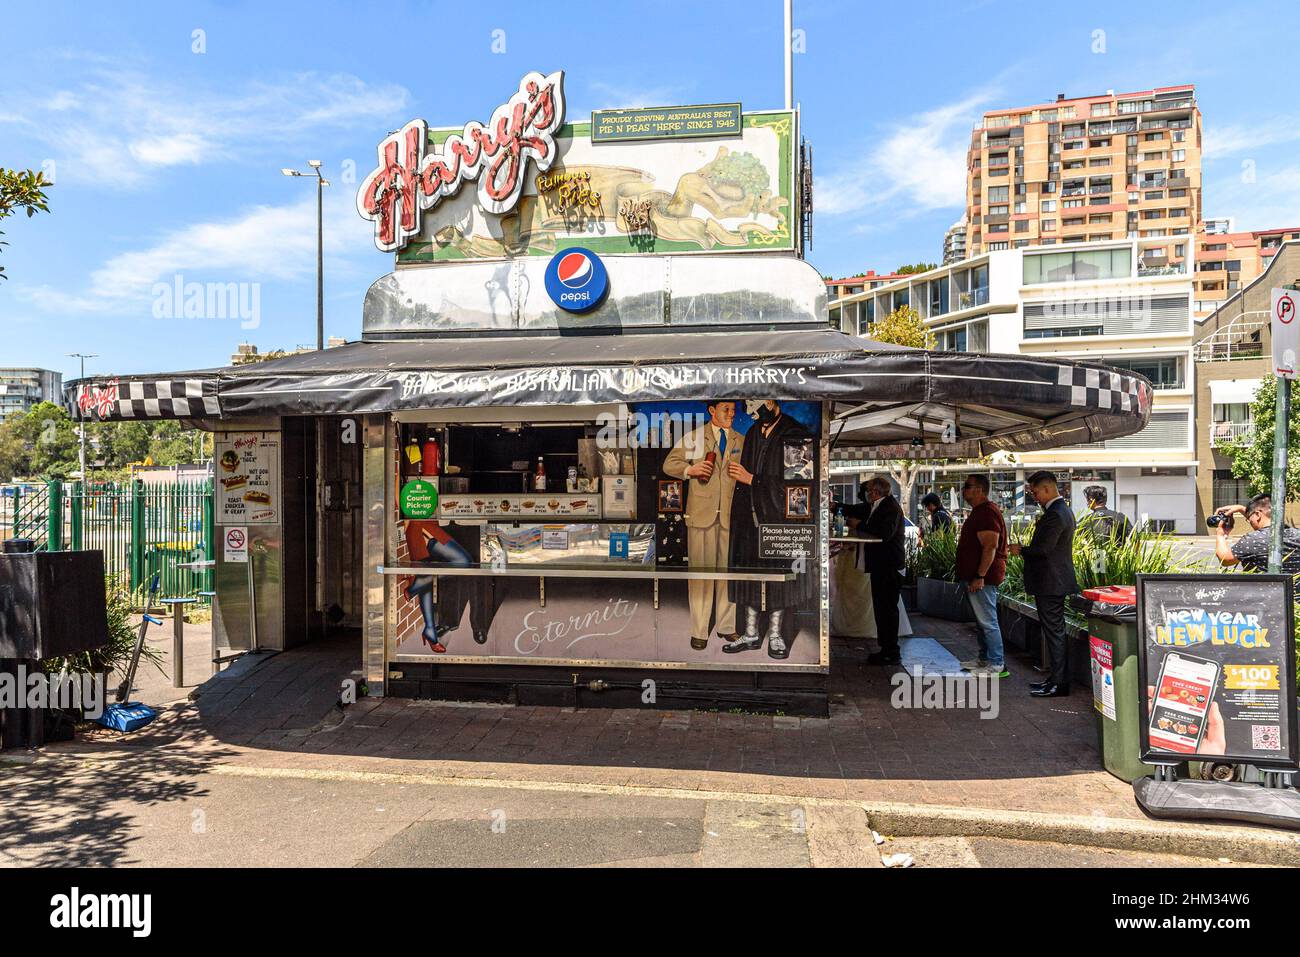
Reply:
x=938, y=594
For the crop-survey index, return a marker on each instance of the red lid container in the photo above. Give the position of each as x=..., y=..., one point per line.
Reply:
x=1114, y=594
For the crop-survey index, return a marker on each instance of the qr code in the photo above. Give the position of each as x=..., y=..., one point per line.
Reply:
x=1265, y=737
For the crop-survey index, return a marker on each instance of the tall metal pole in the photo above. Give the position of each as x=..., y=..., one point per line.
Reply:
x=789, y=54
x=81, y=423
x=1281, y=434
x=320, y=266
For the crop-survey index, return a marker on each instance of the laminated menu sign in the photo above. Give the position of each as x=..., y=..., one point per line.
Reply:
x=1218, y=669
x=248, y=478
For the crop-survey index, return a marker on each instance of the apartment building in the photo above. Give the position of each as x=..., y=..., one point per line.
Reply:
x=20, y=389
x=1104, y=301
x=1232, y=355
x=1086, y=170
x=855, y=285
x=1227, y=262
x=954, y=243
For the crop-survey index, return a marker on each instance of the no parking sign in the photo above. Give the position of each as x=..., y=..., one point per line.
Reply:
x=1286, y=332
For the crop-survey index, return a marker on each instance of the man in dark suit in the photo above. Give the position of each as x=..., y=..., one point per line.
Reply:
x=882, y=518
x=1049, y=577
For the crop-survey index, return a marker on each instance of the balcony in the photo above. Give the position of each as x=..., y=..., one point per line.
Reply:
x=1224, y=432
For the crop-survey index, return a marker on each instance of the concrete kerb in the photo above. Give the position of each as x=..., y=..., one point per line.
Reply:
x=1235, y=843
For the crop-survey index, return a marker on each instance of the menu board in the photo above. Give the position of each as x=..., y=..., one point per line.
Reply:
x=1217, y=668
x=480, y=505
x=248, y=478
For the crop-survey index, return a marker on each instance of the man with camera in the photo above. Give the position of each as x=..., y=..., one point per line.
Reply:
x=1251, y=550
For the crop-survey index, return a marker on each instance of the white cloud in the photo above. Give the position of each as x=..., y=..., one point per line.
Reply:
x=610, y=96
x=920, y=164
x=1257, y=196
x=116, y=126
x=1235, y=138
x=276, y=243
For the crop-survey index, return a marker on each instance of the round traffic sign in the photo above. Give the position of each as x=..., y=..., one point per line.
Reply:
x=1286, y=310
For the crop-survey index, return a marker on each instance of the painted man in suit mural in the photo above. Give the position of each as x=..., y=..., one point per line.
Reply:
x=760, y=499
x=702, y=458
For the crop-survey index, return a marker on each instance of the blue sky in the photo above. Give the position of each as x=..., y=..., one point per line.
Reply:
x=166, y=160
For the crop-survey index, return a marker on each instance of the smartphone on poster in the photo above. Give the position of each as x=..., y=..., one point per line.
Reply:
x=1183, y=695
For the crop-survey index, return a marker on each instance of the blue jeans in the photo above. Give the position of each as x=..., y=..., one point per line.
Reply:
x=985, y=605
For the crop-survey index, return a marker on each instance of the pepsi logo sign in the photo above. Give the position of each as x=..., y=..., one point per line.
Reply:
x=576, y=280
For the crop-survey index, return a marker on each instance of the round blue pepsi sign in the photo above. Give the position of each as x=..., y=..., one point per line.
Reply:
x=576, y=280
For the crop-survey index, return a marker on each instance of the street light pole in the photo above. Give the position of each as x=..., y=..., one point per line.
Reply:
x=321, y=183
x=81, y=424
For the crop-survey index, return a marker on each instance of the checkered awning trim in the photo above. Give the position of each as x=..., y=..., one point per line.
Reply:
x=1103, y=391
x=152, y=399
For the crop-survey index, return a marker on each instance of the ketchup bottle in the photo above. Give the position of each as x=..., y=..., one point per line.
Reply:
x=431, y=460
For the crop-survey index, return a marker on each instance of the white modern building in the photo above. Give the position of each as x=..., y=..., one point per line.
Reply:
x=1127, y=303
x=20, y=389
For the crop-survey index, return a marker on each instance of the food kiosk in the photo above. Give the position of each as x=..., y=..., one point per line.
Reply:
x=580, y=452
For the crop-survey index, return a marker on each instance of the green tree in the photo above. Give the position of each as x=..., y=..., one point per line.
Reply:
x=41, y=443
x=902, y=327
x=21, y=189
x=1252, y=453
x=915, y=268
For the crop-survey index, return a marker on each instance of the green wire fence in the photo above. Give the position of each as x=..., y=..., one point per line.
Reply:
x=141, y=529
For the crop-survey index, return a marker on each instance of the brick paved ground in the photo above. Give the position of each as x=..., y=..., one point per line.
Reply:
x=1036, y=755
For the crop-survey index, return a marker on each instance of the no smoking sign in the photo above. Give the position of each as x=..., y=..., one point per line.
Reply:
x=236, y=544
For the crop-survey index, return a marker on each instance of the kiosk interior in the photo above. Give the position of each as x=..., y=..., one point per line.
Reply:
x=581, y=451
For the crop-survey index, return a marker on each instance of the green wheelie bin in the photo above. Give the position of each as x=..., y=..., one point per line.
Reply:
x=1113, y=656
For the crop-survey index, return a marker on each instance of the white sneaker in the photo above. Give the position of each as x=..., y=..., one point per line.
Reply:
x=974, y=664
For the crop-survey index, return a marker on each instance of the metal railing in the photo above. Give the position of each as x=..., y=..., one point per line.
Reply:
x=1241, y=338
x=140, y=529
x=1221, y=432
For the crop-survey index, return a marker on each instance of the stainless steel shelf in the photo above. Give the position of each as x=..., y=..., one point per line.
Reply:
x=593, y=571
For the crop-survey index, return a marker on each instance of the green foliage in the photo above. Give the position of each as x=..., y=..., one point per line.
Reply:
x=1106, y=561
x=42, y=444
x=937, y=556
x=21, y=189
x=902, y=327
x=1252, y=454
x=915, y=268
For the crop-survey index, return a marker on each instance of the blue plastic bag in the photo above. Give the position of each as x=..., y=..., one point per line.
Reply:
x=127, y=717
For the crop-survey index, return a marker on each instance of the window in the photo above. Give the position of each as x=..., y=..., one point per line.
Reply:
x=999, y=194
x=938, y=296
x=1048, y=225
x=952, y=340
x=1047, y=206
x=1020, y=207
x=1179, y=156
x=1165, y=372
x=1081, y=266
x=1022, y=225
x=998, y=210
x=1072, y=203
x=1229, y=490
x=996, y=246
x=1101, y=109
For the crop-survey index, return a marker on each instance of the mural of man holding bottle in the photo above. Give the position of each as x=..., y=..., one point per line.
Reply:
x=701, y=458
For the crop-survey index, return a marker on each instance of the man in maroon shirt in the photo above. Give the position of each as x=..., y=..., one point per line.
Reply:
x=982, y=565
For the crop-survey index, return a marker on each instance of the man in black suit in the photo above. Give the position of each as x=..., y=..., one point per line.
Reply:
x=1049, y=577
x=882, y=518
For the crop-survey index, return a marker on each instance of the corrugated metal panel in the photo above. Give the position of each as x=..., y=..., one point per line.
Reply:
x=1166, y=430
x=1124, y=315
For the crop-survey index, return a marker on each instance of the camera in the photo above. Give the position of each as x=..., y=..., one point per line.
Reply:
x=1215, y=520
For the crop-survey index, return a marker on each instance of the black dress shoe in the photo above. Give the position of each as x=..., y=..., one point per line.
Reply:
x=1050, y=690
x=1039, y=684
x=480, y=637
x=699, y=644
x=884, y=658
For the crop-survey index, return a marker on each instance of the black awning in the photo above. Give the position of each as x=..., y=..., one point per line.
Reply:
x=927, y=403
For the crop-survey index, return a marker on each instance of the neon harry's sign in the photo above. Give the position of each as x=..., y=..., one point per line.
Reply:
x=412, y=177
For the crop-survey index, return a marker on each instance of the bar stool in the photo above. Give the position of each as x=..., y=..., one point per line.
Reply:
x=212, y=603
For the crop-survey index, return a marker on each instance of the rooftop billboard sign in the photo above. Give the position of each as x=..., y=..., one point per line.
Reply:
x=721, y=183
